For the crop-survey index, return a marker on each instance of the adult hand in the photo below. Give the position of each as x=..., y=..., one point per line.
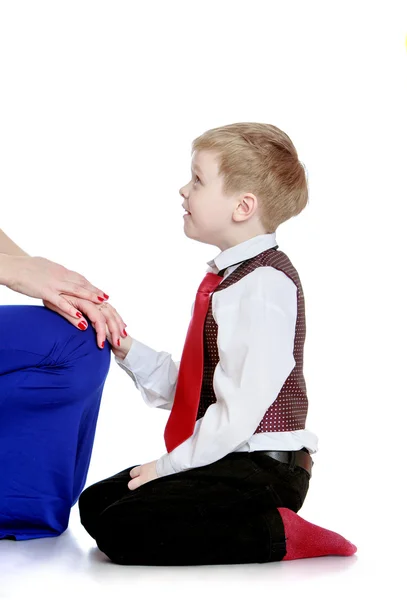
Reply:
x=104, y=318
x=141, y=474
x=41, y=278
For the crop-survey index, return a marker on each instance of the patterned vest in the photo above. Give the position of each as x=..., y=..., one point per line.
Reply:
x=288, y=412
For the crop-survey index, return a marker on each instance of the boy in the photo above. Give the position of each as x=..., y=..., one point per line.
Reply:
x=238, y=464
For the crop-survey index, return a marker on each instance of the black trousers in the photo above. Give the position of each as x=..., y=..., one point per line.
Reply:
x=221, y=513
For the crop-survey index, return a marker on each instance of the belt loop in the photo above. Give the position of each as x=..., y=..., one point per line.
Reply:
x=292, y=461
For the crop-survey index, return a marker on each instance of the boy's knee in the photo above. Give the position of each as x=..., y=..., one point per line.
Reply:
x=87, y=499
x=118, y=545
x=88, y=513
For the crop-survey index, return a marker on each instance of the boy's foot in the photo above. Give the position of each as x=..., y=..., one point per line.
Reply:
x=305, y=540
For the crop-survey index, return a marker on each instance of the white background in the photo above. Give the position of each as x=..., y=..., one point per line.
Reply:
x=99, y=103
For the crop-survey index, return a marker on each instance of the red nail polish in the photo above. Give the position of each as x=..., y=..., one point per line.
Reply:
x=118, y=342
x=101, y=299
x=103, y=344
x=124, y=333
x=79, y=315
x=106, y=296
x=82, y=325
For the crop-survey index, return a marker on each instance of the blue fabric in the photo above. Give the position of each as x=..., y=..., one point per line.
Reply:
x=51, y=383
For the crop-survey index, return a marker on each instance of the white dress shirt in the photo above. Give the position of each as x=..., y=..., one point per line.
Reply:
x=256, y=318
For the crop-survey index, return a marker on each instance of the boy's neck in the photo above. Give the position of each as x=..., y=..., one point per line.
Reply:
x=237, y=237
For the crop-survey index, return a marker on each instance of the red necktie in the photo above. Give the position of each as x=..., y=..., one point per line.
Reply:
x=181, y=423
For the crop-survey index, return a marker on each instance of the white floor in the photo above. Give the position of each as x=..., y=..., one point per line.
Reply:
x=72, y=565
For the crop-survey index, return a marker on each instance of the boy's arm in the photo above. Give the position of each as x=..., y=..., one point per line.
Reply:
x=154, y=373
x=255, y=345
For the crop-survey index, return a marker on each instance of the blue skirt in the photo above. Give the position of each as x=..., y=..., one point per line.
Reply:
x=51, y=383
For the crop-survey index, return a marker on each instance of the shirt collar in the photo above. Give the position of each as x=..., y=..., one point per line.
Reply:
x=243, y=251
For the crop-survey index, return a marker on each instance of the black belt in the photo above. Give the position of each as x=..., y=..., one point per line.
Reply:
x=301, y=457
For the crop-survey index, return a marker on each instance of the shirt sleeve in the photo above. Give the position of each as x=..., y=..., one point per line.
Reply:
x=256, y=320
x=155, y=374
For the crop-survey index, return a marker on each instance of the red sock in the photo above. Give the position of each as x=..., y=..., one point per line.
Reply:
x=305, y=540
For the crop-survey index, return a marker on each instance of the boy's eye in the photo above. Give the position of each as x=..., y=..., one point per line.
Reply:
x=196, y=177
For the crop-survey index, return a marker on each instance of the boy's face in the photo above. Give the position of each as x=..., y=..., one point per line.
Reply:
x=211, y=211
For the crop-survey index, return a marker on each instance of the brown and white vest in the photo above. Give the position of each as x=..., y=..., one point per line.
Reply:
x=288, y=412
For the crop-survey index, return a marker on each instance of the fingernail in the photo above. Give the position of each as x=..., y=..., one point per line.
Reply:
x=124, y=333
x=106, y=296
x=78, y=314
x=101, y=299
x=103, y=344
x=82, y=325
x=118, y=342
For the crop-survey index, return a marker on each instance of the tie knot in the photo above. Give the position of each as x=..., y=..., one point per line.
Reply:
x=209, y=283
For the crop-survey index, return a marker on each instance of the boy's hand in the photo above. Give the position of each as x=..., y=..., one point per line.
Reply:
x=141, y=474
x=125, y=345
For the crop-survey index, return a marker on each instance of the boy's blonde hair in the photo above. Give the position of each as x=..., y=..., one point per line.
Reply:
x=261, y=159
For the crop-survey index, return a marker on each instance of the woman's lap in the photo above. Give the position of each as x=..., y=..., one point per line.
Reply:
x=51, y=383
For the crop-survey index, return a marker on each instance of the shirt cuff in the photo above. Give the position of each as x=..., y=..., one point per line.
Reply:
x=138, y=359
x=164, y=466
